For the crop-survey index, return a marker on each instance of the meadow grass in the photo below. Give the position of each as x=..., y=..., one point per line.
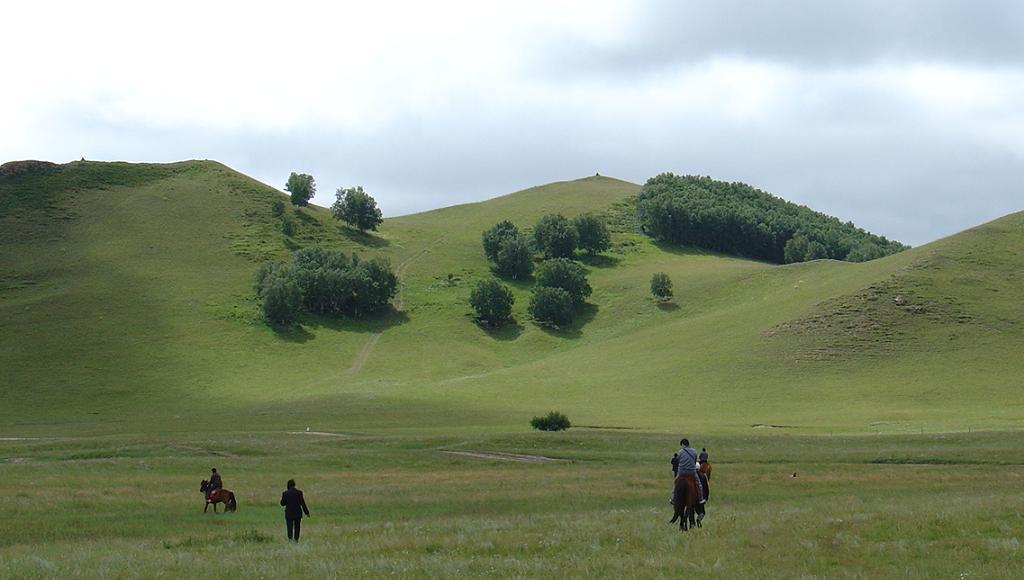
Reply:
x=862, y=506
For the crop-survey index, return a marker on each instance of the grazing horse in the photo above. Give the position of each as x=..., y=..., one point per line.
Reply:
x=217, y=496
x=705, y=468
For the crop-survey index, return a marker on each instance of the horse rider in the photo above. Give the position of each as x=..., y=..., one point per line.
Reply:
x=215, y=484
x=688, y=465
x=675, y=464
x=703, y=457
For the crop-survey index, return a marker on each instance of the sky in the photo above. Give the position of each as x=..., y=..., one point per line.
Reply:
x=905, y=117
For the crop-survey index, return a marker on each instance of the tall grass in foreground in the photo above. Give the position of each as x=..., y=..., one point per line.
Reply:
x=937, y=506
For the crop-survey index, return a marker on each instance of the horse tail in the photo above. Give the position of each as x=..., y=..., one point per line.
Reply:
x=232, y=502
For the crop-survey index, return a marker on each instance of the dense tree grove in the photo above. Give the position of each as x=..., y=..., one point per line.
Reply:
x=357, y=208
x=592, y=233
x=492, y=301
x=736, y=218
x=661, y=286
x=564, y=274
x=328, y=282
x=551, y=306
x=555, y=237
x=302, y=186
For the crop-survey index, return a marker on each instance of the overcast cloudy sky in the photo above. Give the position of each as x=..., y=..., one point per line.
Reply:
x=906, y=117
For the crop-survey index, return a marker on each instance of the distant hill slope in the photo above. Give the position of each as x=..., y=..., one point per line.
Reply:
x=126, y=304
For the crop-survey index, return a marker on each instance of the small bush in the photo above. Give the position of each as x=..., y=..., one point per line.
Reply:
x=277, y=207
x=661, y=286
x=553, y=421
x=287, y=226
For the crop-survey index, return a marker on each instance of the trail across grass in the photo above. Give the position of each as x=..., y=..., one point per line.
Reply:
x=868, y=506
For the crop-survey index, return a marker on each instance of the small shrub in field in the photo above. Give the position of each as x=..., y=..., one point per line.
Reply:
x=287, y=226
x=551, y=306
x=277, y=207
x=661, y=286
x=553, y=421
x=492, y=301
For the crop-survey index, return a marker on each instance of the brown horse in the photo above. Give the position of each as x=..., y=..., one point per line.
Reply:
x=217, y=496
x=685, y=503
x=705, y=468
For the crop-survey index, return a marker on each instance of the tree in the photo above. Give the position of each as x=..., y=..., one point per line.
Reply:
x=865, y=252
x=593, y=234
x=553, y=421
x=282, y=301
x=816, y=251
x=357, y=208
x=661, y=286
x=555, y=237
x=302, y=187
x=738, y=219
x=515, y=257
x=796, y=249
x=493, y=237
x=492, y=301
x=551, y=306
x=567, y=275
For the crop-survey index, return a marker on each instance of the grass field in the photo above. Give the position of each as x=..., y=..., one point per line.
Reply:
x=134, y=359
x=126, y=304
x=863, y=506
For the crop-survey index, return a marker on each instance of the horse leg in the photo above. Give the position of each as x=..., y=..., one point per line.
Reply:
x=206, y=507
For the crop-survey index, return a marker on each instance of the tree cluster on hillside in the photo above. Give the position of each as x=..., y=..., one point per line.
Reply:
x=561, y=287
x=553, y=236
x=509, y=249
x=561, y=283
x=324, y=281
x=352, y=205
x=736, y=218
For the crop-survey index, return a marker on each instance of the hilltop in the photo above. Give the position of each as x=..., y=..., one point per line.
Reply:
x=126, y=303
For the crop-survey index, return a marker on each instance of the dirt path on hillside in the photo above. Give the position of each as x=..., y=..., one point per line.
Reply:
x=522, y=458
x=364, y=353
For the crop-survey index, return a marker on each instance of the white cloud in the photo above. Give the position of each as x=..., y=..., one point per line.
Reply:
x=435, y=103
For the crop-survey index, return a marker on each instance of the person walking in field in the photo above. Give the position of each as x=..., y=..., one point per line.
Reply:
x=294, y=506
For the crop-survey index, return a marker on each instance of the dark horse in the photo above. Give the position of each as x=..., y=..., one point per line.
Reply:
x=687, y=508
x=218, y=496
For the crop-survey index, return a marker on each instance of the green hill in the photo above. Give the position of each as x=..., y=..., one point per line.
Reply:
x=126, y=304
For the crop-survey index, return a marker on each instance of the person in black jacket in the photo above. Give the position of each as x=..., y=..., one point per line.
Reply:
x=294, y=506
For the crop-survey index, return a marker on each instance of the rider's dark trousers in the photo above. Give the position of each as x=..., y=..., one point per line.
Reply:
x=294, y=526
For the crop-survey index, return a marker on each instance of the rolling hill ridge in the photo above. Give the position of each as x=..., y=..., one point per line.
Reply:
x=126, y=303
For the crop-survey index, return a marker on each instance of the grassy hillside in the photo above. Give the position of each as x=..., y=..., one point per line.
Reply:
x=126, y=304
